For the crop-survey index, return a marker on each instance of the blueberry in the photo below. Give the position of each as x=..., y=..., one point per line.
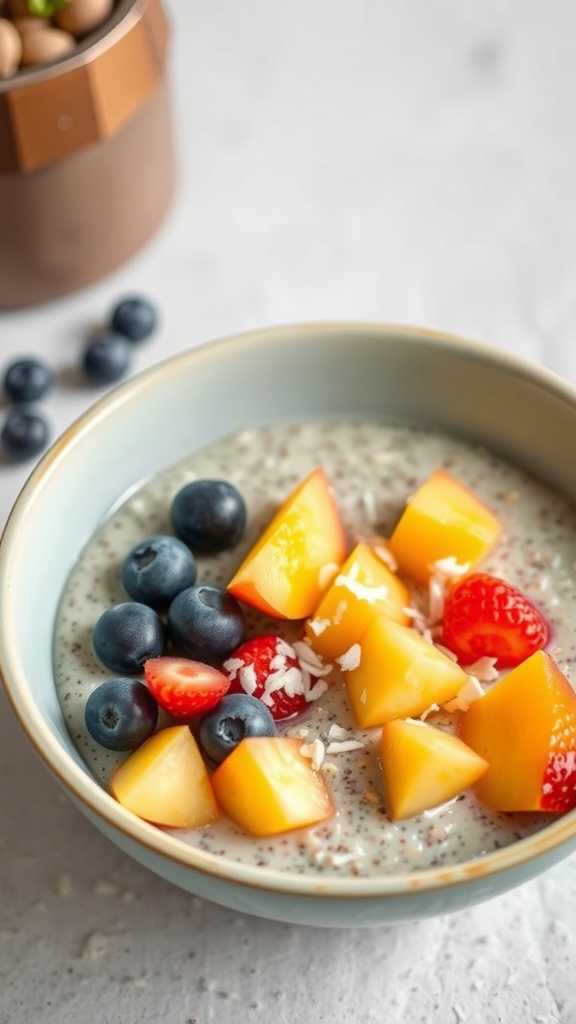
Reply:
x=120, y=714
x=106, y=358
x=126, y=635
x=23, y=435
x=135, y=318
x=27, y=380
x=157, y=569
x=205, y=623
x=235, y=717
x=209, y=515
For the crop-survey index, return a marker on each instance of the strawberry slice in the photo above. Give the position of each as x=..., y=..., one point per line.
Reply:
x=285, y=677
x=486, y=617
x=183, y=687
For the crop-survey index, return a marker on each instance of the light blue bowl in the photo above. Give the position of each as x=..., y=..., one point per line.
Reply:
x=159, y=417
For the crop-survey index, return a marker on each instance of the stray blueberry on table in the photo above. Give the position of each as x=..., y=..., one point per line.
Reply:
x=236, y=716
x=23, y=434
x=127, y=635
x=121, y=713
x=157, y=569
x=209, y=515
x=106, y=358
x=27, y=380
x=134, y=317
x=205, y=623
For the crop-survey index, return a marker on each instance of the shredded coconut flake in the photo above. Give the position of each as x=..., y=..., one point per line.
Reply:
x=344, y=746
x=318, y=625
x=313, y=663
x=430, y=710
x=247, y=679
x=232, y=665
x=337, y=732
x=314, y=751
x=467, y=695
x=484, y=669
x=350, y=659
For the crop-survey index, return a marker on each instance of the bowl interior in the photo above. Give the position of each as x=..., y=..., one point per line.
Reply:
x=162, y=415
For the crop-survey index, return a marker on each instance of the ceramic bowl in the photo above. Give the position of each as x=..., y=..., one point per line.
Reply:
x=521, y=411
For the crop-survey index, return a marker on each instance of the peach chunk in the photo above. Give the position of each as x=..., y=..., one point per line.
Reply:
x=424, y=767
x=442, y=519
x=393, y=672
x=292, y=563
x=363, y=588
x=165, y=781
x=267, y=786
x=525, y=727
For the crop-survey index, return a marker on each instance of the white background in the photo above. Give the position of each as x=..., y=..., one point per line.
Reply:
x=399, y=160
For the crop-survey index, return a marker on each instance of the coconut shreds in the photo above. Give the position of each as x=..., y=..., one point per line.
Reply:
x=350, y=659
x=337, y=732
x=467, y=695
x=344, y=746
x=360, y=590
x=309, y=658
x=484, y=669
x=442, y=572
x=318, y=625
x=430, y=710
x=315, y=751
x=247, y=678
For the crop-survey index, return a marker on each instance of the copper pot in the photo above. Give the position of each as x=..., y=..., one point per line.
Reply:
x=86, y=158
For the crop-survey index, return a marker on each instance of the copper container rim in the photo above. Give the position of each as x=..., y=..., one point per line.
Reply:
x=125, y=14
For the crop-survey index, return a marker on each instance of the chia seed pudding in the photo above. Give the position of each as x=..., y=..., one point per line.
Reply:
x=373, y=467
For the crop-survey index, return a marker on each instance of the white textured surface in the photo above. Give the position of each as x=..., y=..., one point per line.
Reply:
x=410, y=161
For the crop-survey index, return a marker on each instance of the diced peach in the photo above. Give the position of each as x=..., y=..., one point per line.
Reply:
x=363, y=588
x=290, y=566
x=267, y=786
x=442, y=519
x=165, y=781
x=525, y=727
x=396, y=673
x=424, y=767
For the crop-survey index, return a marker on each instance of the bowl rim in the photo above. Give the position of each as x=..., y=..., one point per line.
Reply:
x=166, y=845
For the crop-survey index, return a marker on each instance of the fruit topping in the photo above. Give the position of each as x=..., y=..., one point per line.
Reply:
x=166, y=781
x=267, y=787
x=361, y=589
x=424, y=767
x=135, y=318
x=285, y=677
x=485, y=616
x=443, y=519
x=126, y=635
x=157, y=569
x=121, y=713
x=209, y=515
x=525, y=728
x=205, y=623
x=106, y=357
x=287, y=571
x=27, y=380
x=24, y=434
x=183, y=687
x=394, y=672
x=236, y=716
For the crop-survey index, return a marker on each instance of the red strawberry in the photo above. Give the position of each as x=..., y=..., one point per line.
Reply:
x=486, y=617
x=281, y=675
x=559, y=782
x=183, y=687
